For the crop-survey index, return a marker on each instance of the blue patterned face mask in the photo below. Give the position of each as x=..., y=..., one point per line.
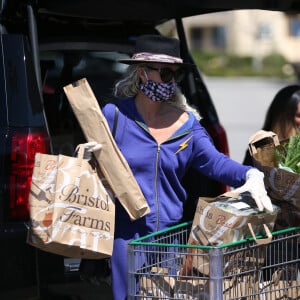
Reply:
x=158, y=91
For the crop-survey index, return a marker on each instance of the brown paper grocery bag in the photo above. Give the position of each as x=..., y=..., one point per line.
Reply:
x=111, y=161
x=280, y=184
x=191, y=288
x=289, y=216
x=71, y=212
x=245, y=285
x=156, y=284
x=283, y=285
x=223, y=221
x=159, y=285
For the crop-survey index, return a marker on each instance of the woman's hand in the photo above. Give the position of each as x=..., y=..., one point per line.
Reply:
x=89, y=148
x=255, y=185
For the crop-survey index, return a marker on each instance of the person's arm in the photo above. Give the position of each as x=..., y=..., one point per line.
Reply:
x=218, y=166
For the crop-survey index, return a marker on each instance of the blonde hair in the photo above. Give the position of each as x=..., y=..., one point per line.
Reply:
x=129, y=86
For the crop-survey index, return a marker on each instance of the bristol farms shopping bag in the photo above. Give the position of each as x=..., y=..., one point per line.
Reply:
x=111, y=161
x=281, y=185
x=71, y=212
x=225, y=219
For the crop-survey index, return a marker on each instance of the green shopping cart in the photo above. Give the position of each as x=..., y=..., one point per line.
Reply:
x=163, y=265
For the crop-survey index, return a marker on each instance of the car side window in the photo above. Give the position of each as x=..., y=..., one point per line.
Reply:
x=60, y=68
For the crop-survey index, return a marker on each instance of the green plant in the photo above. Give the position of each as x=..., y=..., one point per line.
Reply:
x=288, y=155
x=221, y=64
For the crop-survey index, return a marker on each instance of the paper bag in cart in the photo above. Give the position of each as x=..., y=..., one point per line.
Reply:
x=72, y=213
x=225, y=219
x=281, y=184
x=111, y=161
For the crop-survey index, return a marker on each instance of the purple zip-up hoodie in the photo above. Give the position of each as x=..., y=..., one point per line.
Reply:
x=159, y=169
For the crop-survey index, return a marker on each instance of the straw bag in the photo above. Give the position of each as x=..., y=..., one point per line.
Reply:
x=281, y=185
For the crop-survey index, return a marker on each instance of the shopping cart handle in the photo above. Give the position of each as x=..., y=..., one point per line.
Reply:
x=261, y=241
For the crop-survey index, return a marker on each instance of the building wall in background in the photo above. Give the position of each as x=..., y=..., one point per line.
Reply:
x=246, y=32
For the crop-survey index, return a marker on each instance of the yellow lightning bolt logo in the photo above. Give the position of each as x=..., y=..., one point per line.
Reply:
x=183, y=145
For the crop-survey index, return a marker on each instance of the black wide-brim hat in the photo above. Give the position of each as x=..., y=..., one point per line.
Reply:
x=156, y=49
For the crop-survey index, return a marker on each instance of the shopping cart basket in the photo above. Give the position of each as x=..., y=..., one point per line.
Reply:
x=239, y=270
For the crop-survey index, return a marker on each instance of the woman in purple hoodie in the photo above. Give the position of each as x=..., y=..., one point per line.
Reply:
x=160, y=136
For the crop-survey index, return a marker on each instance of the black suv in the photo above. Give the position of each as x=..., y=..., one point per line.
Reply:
x=44, y=46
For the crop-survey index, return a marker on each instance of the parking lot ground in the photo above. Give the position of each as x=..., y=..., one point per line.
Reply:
x=67, y=291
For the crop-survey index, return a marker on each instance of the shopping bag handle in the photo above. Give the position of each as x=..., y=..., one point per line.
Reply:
x=80, y=153
x=261, y=241
x=259, y=136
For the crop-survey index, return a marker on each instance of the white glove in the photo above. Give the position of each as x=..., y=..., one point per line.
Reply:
x=89, y=148
x=255, y=185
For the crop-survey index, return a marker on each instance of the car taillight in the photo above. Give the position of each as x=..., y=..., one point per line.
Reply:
x=23, y=150
x=219, y=137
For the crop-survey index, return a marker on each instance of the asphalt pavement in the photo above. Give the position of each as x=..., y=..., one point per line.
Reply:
x=65, y=291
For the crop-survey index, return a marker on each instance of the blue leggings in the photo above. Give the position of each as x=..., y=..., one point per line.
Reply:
x=119, y=269
x=124, y=233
